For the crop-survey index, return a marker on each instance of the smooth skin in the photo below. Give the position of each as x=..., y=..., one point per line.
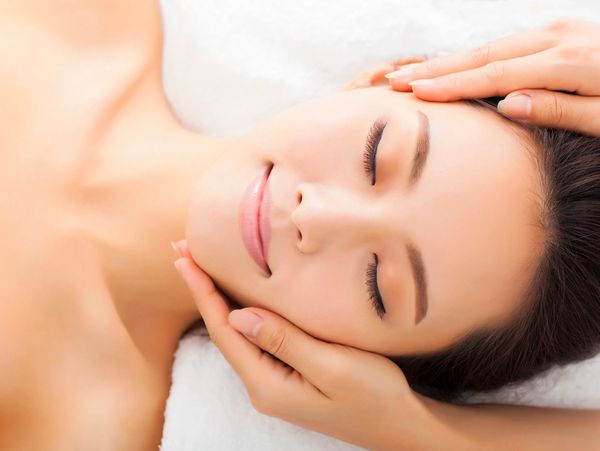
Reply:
x=97, y=173
x=362, y=397
x=91, y=308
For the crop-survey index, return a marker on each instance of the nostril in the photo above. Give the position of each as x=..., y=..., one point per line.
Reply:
x=299, y=197
x=299, y=235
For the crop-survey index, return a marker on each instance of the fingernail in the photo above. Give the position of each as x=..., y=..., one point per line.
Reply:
x=514, y=93
x=174, y=246
x=402, y=74
x=177, y=264
x=518, y=106
x=423, y=83
x=246, y=322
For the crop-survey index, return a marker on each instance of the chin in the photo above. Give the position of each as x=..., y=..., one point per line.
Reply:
x=213, y=236
x=204, y=228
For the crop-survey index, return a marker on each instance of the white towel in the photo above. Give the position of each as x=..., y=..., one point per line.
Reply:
x=229, y=64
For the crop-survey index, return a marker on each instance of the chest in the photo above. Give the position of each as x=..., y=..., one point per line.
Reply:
x=60, y=80
x=58, y=88
x=57, y=94
x=66, y=68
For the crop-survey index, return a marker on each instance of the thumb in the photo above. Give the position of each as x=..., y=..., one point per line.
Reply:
x=554, y=109
x=316, y=360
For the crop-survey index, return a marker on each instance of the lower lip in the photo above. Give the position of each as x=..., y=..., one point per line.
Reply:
x=254, y=219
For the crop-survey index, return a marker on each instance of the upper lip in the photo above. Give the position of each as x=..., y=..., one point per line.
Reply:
x=254, y=218
x=262, y=219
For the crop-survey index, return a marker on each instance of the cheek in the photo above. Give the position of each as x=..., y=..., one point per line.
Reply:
x=321, y=299
x=212, y=228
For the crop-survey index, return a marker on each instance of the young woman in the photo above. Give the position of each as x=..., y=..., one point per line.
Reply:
x=358, y=396
x=98, y=173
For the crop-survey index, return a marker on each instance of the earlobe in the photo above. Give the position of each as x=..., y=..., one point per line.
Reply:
x=375, y=75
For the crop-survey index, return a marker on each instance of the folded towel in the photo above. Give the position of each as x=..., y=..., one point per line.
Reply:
x=227, y=65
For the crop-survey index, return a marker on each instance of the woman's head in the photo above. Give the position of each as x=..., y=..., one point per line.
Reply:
x=474, y=218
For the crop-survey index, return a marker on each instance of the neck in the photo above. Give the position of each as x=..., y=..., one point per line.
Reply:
x=136, y=200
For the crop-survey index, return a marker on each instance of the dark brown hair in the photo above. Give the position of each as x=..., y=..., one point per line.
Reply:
x=559, y=320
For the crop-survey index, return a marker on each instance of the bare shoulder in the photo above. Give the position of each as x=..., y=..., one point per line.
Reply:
x=85, y=22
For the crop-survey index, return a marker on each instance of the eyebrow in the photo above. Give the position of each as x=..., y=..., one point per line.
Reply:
x=418, y=272
x=422, y=150
x=414, y=255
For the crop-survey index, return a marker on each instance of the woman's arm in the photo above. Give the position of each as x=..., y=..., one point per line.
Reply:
x=494, y=426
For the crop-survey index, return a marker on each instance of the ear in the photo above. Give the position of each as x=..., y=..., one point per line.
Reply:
x=374, y=75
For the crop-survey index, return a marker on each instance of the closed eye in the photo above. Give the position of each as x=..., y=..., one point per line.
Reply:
x=371, y=146
x=370, y=167
x=373, y=288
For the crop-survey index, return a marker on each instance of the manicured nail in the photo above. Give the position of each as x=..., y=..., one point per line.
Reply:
x=177, y=264
x=403, y=74
x=423, y=83
x=518, y=106
x=514, y=93
x=175, y=248
x=245, y=322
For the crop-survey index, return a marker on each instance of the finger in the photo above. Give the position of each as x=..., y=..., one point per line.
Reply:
x=214, y=310
x=265, y=378
x=554, y=109
x=375, y=75
x=516, y=45
x=369, y=77
x=276, y=335
x=501, y=77
x=395, y=66
x=181, y=248
x=319, y=362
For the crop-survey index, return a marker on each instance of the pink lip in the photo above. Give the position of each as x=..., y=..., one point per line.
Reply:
x=254, y=218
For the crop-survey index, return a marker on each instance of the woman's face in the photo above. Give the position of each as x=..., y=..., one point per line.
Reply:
x=445, y=229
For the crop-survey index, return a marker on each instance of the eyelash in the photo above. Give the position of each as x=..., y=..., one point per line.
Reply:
x=370, y=167
x=373, y=289
x=370, y=154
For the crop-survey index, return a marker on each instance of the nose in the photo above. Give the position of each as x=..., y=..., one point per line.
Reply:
x=328, y=215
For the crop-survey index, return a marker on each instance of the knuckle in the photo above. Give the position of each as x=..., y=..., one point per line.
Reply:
x=275, y=341
x=576, y=53
x=260, y=405
x=581, y=116
x=494, y=71
x=453, y=80
x=555, y=111
x=262, y=400
x=215, y=336
x=339, y=370
x=562, y=25
x=481, y=55
x=431, y=65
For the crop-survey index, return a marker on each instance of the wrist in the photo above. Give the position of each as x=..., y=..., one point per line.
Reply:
x=442, y=425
